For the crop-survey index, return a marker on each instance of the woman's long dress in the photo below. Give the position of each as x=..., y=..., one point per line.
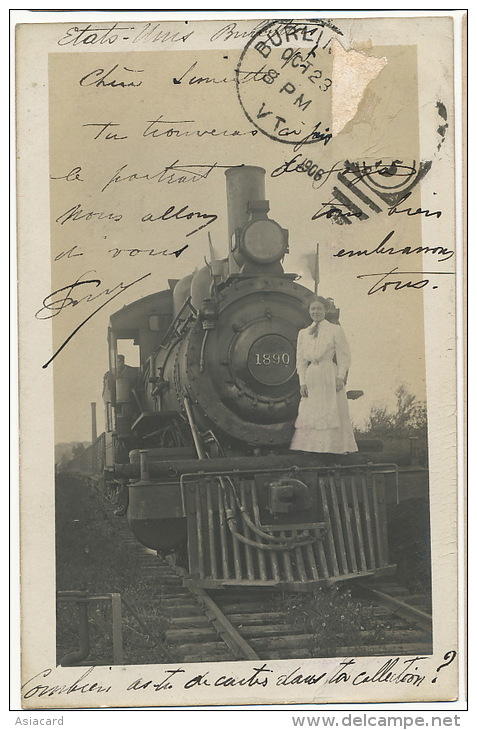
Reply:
x=323, y=424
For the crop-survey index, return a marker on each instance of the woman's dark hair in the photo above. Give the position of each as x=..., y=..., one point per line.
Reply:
x=325, y=302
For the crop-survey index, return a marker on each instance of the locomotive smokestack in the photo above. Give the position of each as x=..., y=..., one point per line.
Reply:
x=244, y=184
x=94, y=430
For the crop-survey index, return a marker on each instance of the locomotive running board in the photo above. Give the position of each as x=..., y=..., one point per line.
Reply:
x=224, y=549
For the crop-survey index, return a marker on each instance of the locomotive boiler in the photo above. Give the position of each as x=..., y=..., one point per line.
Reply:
x=196, y=442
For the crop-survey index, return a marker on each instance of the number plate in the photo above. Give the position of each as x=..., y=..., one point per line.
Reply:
x=271, y=360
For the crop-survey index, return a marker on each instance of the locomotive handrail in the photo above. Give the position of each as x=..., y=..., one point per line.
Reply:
x=162, y=468
x=173, y=325
x=202, y=351
x=280, y=470
x=194, y=430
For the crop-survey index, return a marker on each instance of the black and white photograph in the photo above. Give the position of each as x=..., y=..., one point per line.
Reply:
x=240, y=278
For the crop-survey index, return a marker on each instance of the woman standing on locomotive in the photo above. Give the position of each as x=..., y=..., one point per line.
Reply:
x=322, y=362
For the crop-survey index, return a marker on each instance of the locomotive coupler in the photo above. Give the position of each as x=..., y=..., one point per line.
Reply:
x=288, y=495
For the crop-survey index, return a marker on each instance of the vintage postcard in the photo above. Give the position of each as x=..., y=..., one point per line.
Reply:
x=240, y=256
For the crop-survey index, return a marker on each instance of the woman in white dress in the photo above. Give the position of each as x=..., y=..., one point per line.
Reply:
x=323, y=424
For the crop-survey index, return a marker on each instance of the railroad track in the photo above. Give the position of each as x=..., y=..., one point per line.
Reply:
x=250, y=623
x=253, y=624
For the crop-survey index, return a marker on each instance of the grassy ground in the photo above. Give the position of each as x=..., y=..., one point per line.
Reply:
x=333, y=619
x=91, y=555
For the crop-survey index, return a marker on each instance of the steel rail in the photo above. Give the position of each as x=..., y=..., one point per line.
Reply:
x=240, y=648
x=399, y=606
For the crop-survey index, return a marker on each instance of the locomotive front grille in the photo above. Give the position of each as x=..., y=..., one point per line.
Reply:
x=228, y=541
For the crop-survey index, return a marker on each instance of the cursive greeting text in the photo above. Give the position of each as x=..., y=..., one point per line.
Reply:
x=401, y=280
x=442, y=251
x=112, y=77
x=59, y=300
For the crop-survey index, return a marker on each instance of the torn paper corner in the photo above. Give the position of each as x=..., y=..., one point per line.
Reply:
x=352, y=72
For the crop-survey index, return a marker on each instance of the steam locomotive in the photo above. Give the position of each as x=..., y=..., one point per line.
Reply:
x=196, y=440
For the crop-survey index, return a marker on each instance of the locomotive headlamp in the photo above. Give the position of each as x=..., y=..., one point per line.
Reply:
x=264, y=241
